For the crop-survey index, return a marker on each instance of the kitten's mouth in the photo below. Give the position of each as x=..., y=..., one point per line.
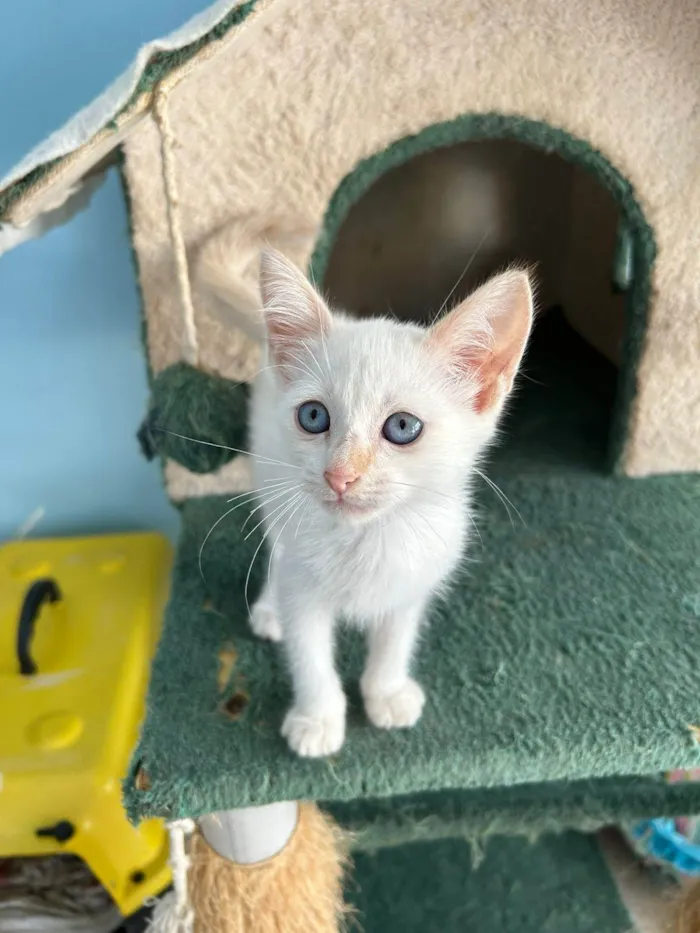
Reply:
x=351, y=509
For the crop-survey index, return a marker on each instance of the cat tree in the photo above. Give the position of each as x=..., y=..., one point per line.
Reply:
x=564, y=665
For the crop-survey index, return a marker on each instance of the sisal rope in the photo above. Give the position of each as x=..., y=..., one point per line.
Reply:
x=168, y=143
x=167, y=149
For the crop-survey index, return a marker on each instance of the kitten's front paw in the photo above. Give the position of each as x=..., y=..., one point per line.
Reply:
x=398, y=709
x=264, y=622
x=317, y=734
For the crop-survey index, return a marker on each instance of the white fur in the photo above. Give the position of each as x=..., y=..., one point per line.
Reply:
x=377, y=570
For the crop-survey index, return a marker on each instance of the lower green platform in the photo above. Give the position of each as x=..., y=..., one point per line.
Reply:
x=526, y=810
x=566, y=653
x=558, y=885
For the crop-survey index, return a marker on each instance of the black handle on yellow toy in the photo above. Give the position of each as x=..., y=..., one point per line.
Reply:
x=39, y=592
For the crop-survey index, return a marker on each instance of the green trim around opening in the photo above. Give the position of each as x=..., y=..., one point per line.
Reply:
x=489, y=126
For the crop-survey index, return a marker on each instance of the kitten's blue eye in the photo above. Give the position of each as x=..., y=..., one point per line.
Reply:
x=313, y=417
x=402, y=428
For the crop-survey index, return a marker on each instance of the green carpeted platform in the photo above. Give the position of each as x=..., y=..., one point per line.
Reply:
x=520, y=810
x=559, y=885
x=567, y=652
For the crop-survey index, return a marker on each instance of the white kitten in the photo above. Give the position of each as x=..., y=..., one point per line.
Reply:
x=366, y=433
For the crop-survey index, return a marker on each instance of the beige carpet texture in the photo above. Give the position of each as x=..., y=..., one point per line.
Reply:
x=267, y=130
x=264, y=125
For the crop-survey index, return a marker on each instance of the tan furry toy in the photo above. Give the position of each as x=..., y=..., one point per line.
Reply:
x=222, y=886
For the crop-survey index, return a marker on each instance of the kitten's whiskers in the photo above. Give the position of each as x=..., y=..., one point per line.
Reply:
x=261, y=489
x=436, y=492
x=279, y=366
x=235, y=450
x=444, y=495
x=302, y=517
x=466, y=269
x=281, y=532
x=267, y=517
x=218, y=522
x=285, y=507
x=315, y=359
x=267, y=501
x=502, y=496
x=306, y=369
x=426, y=522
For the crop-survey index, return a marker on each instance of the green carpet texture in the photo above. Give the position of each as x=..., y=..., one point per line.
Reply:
x=559, y=885
x=521, y=810
x=567, y=652
x=215, y=413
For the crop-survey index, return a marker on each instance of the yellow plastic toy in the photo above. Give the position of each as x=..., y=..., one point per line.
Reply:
x=79, y=620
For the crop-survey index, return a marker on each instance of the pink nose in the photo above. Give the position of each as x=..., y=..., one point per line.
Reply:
x=340, y=480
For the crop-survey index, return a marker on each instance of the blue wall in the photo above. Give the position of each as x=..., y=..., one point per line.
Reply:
x=57, y=55
x=72, y=371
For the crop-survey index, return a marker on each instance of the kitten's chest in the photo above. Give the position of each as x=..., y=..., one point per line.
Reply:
x=379, y=569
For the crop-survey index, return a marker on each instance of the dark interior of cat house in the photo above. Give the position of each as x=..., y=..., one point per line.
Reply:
x=428, y=232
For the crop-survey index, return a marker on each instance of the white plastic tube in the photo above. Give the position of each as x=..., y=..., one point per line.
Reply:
x=251, y=834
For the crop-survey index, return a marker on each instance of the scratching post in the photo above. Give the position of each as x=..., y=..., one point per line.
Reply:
x=272, y=869
x=686, y=918
x=296, y=888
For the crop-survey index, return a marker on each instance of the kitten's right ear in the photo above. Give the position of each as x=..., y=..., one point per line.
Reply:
x=294, y=312
x=483, y=339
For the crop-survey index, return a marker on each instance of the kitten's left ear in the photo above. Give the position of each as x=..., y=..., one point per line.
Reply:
x=483, y=339
x=294, y=312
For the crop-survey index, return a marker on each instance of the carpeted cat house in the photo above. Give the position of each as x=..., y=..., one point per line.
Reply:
x=400, y=152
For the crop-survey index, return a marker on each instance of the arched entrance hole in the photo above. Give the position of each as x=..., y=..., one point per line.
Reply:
x=425, y=221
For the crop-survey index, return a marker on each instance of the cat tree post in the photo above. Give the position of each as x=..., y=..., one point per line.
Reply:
x=269, y=868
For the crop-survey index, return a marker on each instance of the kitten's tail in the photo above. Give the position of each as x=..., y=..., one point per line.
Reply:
x=226, y=277
x=228, y=267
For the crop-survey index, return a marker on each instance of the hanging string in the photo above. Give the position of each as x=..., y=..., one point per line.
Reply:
x=180, y=863
x=167, y=149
